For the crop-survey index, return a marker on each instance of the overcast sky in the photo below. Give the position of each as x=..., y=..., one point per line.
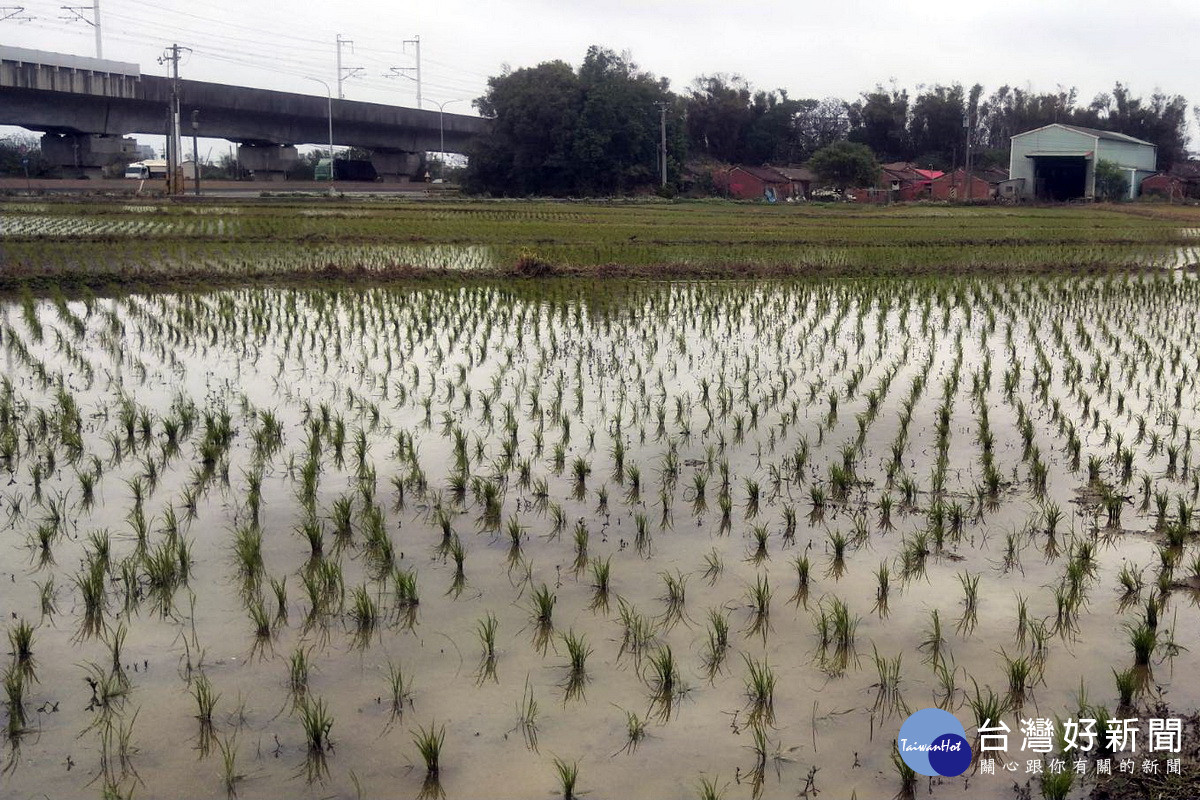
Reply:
x=812, y=49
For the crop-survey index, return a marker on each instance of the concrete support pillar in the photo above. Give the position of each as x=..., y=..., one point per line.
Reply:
x=83, y=154
x=398, y=165
x=267, y=162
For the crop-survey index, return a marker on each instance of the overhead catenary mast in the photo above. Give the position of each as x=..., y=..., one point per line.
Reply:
x=94, y=21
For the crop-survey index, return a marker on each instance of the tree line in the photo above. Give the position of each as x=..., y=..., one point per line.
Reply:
x=595, y=129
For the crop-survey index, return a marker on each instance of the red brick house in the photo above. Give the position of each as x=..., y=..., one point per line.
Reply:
x=899, y=181
x=953, y=186
x=774, y=184
x=801, y=180
x=1181, y=183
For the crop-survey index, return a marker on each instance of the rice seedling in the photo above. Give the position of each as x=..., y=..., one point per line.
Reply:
x=486, y=629
x=642, y=538
x=803, y=569
x=759, y=597
x=970, y=586
x=1144, y=640
x=674, y=598
x=636, y=629
x=987, y=708
x=299, y=667
x=247, y=548
x=1128, y=684
x=527, y=715
x=458, y=554
x=906, y=774
x=399, y=692
x=759, y=552
x=883, y=577
x=429, y=742
x=946, y=674
x=581, y=537
x=665, y=682
x=713, y=567
x=14, y=692
x=717, y=642
x=601, y=579
x=542, y=616
x=1020, y=673
x=20, y=638
x=760, y=689
x=710, y=788
x=837, y=559
x=934, y=642
x=567, y=773
x=635, y=728
x=578, y=651
x=317, y=724
x=229, y=774
x=1056, y=784
x=364, y=613
x=887, y=689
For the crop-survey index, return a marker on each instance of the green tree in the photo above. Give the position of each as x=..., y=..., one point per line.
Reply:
x=20, y=152
x=559, y=131
x=720, y=111
x=879, y=119
x=844, y=164
x=1111, y=182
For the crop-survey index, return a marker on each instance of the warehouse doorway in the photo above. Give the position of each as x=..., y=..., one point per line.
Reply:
x=1060, y=178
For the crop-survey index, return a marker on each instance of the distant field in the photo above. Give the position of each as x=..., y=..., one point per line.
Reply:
x=103, y=242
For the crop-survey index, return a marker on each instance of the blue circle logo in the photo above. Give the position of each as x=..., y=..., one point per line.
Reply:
x=933, y=742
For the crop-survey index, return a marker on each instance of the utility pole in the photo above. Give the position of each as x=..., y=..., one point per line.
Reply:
x=662, y=146
x=416, y=43
x=344, y=72
x=174, y=183
x=967, y=159
x=196, y=149
x=94, y=21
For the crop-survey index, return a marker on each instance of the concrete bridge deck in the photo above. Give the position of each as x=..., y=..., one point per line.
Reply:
x=80, y=102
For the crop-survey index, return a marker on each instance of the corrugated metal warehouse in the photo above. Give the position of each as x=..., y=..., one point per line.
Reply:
x=1058, y=162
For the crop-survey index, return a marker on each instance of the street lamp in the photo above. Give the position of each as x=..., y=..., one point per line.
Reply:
x=329, y=100
x=442, y=130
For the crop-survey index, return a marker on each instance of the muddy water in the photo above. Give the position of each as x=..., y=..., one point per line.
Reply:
x=396, y=363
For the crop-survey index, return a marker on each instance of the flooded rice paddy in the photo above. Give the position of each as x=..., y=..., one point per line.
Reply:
x=674, y=536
